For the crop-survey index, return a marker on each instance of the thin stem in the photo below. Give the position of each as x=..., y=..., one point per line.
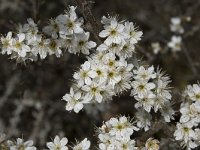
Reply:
x=83, y=4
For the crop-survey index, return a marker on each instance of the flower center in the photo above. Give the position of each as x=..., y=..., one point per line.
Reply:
x=70, y=24
x=141, y=87
x=197, y=96
x=124, y=146
x=111, y=74
x=111, y=63
x=53, y=44
x=81, y=43
x=21, y=147
x=113, y=32
x=57, y=147
x=186, y=129
x=94, y=89
x=98, y=72
x=18, y=45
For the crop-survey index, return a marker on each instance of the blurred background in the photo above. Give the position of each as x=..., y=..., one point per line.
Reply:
x=30, y=95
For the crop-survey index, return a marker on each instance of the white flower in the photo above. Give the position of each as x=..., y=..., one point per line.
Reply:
x=126, y=144
x=175, y=43
x=69, y=23
x=113, y=76
x=101, y=72
x=31, y=26
x=21, y=145
x=162, y=90
x=55, y=47
x=143, y=119
x=127, y=49
x=85, y=74
x=123, y=85
x=83, y=145
x=81, y=43
x=156, y=47
x=194, y=92
x=94, y=91
x=31, y=31
x=176, y=26
x=109, y=59
x=141, y=87
x=7, y=44
x=107, y=142
x=121, y=128
x=52, y=29
x=167, y=112
x=113, y=48
x=144, y=74
x=67, y=43
x=19, y=46
x=132, y=32
x=184, y=132
x=114, y=33
x=41, y=47
x=115, y=134
x=146, y=101
x=152, y=144
x=74, y=101
x=190, y=113
x=58, y=144
x=106, y=20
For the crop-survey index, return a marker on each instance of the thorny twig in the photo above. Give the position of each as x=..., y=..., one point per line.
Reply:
x=90, y=18
x=35, y=9
x=192, y=65
x=156, y=127
x=9, y=88
x=15, y=119
x=37, y=124
x=83, y=4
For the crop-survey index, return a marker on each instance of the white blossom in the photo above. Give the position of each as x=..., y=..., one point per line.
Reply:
x=143, y=119
x=133, y=33
x=58, y=144
x=156, y=47
x=152, y=144
x=74, y=101
x=21, y=144
x=7, y=44
x=176, y=26
x=83, y=145
x=114, y=33
x=175, y=43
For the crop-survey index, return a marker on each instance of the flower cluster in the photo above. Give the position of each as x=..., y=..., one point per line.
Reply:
x=115, y=134
x=120, y=37
x=67, y=28
x=175, y=44
x=56, y=144
x=19, y=144
x=65, y=32
x=143, y=118
x=150, y=89
x=60, y=144
x=187, y=128
x=156, y=47
x=99, y=78
x=176, y=40
x=107, y=72
x=176, y=26
x=151, y=144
